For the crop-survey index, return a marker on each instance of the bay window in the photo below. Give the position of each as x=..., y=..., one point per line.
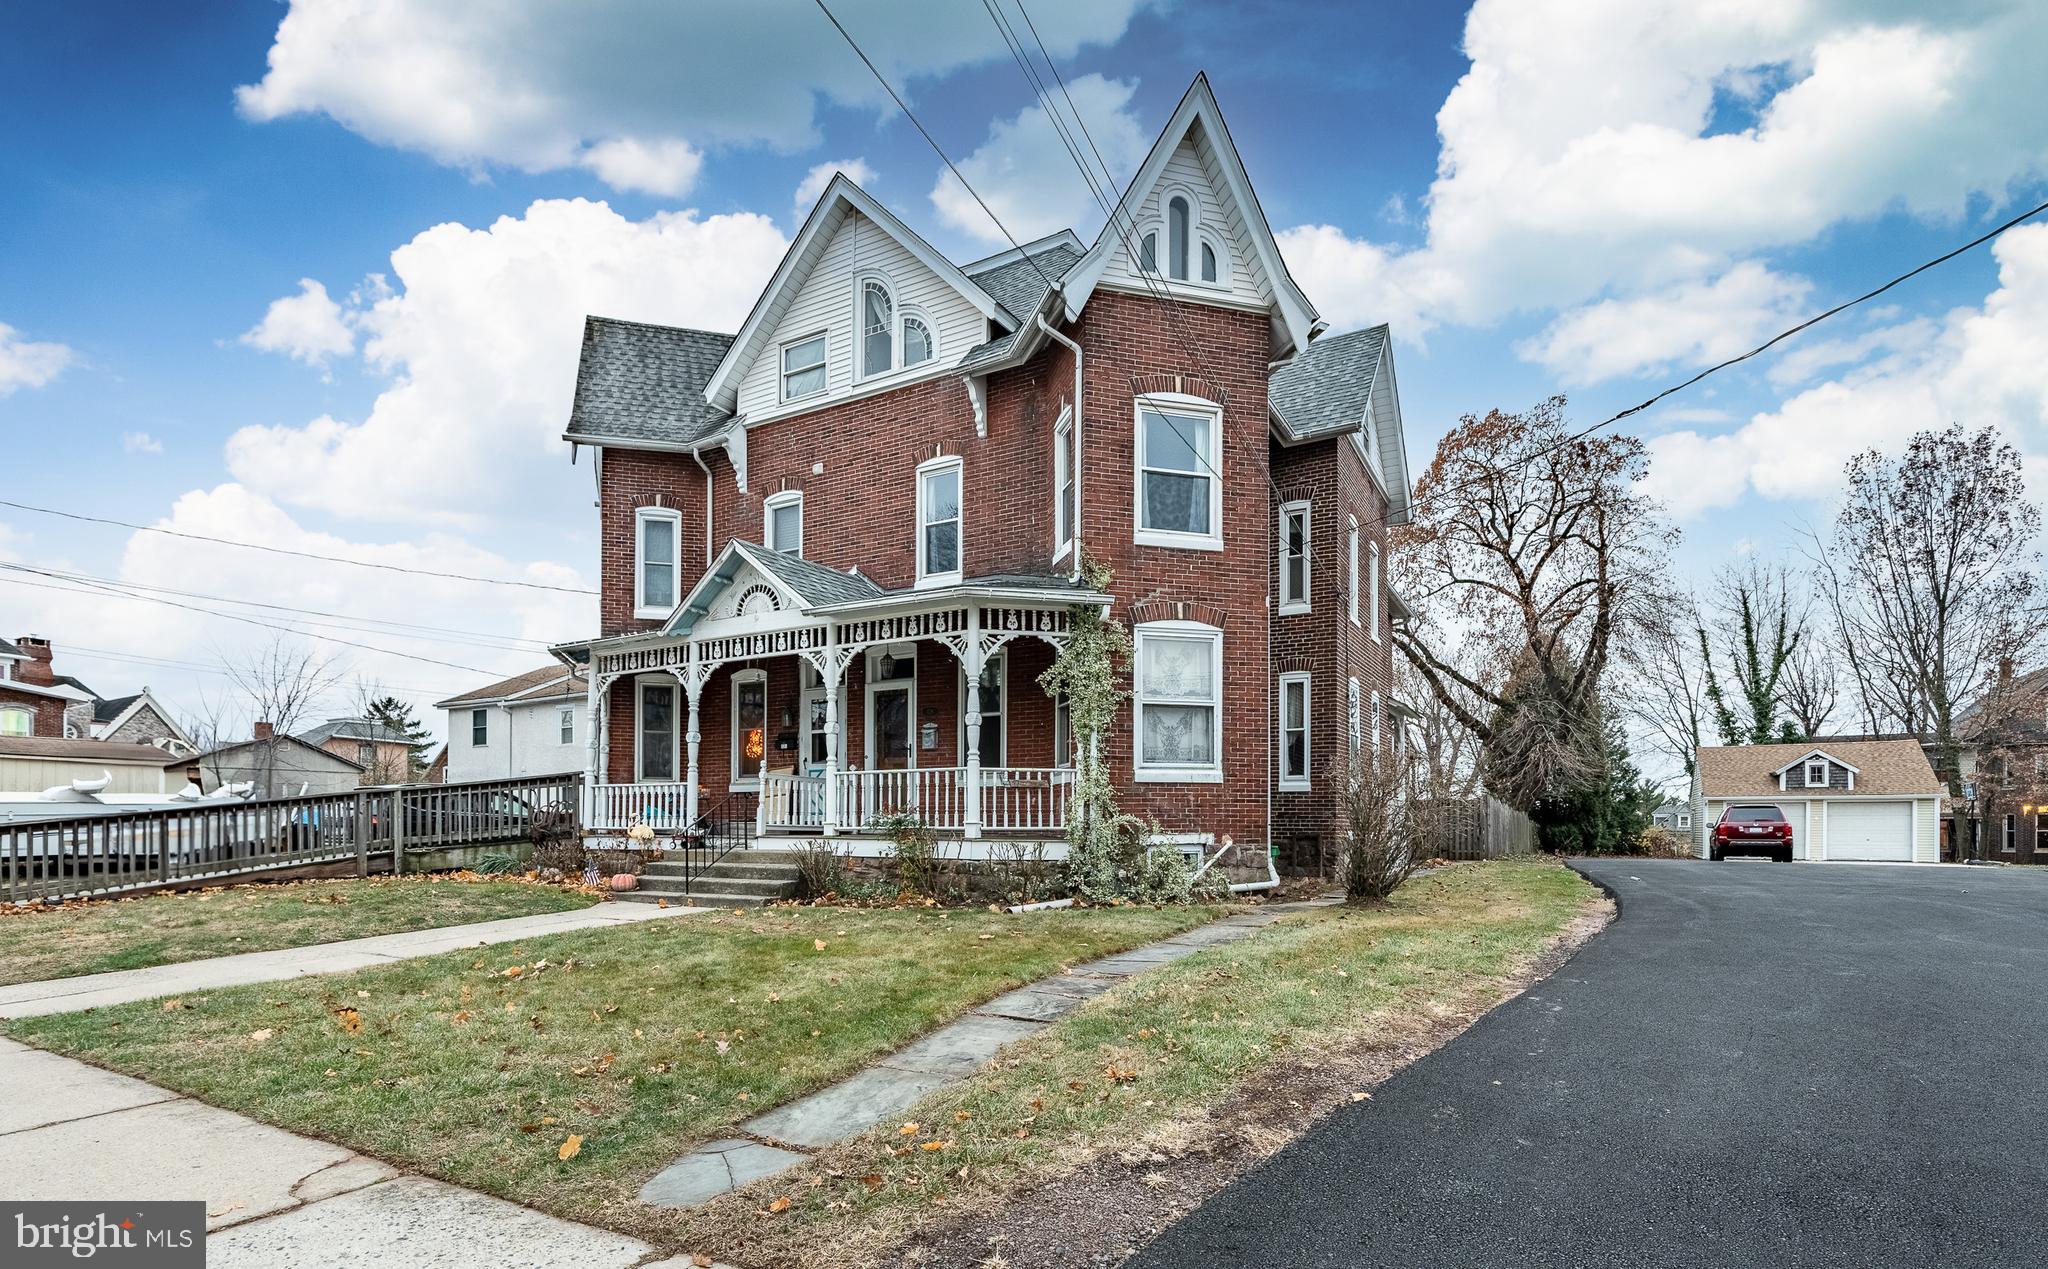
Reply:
x=938, y=522
x=657, y=540
x=1178, y=705
x=1294, y=557
x=1294, y=731
x=1179, y=453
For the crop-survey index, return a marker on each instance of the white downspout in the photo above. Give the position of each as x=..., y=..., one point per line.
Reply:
x=706, y=467
x=1079, y=482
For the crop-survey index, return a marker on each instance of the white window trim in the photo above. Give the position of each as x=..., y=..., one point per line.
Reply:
x=906, y=315
x=1212, y=468
x=641, y=609
x=1308, y=742
x=1685, y=820
x=861, y=372
x=19, y=711
x=1375, y=721
x=1303, y=602
x=675, y=729
x=775, y=502
x=925, y=470
x=1063, y=743
x=1372, y=587
x=1351, y=566
x=1353, y=720
x=2011, y=836
x=1000, y=659
x=782, y=371
x=565, y=720
x=482, y=715
x=1812, y=783
x=1212, y=773
x=739, y=783
x=1062, y=460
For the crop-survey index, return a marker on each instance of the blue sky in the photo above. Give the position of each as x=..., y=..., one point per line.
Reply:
x=1566, y=196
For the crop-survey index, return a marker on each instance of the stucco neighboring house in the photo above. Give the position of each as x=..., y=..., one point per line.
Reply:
x=31, y=764
x=278, y=766
x=1850, y=800
x=381, y=751
x=37, y=701
x=534, y=723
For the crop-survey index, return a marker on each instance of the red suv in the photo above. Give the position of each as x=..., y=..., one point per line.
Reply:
x=1753, y=830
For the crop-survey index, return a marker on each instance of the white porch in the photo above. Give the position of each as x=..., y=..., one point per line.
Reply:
x=757, y=608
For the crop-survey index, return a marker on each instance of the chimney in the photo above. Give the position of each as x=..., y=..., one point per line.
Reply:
x=264, y=731
x=36, y=669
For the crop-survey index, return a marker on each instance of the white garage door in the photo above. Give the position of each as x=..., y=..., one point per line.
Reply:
x=1870, y=830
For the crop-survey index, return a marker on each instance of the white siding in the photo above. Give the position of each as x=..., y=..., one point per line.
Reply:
x=1194, y=166
x=33, y=775
x=524, y=740
x=826, y=302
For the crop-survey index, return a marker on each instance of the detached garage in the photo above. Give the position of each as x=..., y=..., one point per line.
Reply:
x=1857, y=801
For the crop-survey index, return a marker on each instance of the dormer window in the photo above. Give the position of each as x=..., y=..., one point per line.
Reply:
x=1817, y=774
x=877, y=328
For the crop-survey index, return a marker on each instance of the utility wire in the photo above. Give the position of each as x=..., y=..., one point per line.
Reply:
x=304, y=555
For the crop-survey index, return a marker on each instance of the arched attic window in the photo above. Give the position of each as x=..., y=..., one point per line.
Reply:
x=917, y=340
x=1148, y=253
x=1208, y=263
x=1178, y=230
x=877, y=327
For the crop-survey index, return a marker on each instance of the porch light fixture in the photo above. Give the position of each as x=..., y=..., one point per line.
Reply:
x=888, y=665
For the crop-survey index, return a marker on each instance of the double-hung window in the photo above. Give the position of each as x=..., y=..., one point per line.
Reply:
x=877, y=328
x=1178, y=705
x=1062, y=731
x=1294, y=557
x=1177, y=231
x=1063, y=483
x=782, y=527
x=938, y=522
x=1375, y=723
x=803, y=367
x=918, y=344
x=479, y=728
x=657, y=543
x=1372, y=588
x=1351, y=565
x=1179, y=494
x=1353, y=720
x=2011, y=835
x=1294, y=731
x=749, y=727
x=565, y=725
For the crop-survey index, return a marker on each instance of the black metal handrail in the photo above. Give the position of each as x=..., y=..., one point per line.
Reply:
x=724, y=828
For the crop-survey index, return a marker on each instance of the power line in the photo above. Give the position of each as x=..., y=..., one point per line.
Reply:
x=73, y=650
x=304, y=555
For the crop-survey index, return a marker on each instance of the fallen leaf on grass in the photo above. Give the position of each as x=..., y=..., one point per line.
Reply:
x=571, y=1146
x=780, y=1205
x=700, y=1260
x=350, y=1020
x=174, y=1003
x=907, y=1130
x=961, y=1116
x=1361, y=1097
x=872, y=1180
x=934, y=1145
x=818, y=944
x=260, y=1034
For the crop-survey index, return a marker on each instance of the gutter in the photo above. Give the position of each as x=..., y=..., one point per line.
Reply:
x=1079, y=481
x=698, y=454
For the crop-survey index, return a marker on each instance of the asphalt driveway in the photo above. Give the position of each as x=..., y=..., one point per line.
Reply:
x=1756, y=1064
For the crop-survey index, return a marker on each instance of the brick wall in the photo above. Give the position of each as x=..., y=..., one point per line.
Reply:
x=48, y=711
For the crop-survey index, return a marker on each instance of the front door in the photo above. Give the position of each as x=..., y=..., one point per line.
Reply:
x=887, y=786
x=889, y=728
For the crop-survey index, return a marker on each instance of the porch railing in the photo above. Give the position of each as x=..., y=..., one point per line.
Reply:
x=1025, y=798
x=936, y=795
x=792, y=801
x=661, y=805
x=1013, y=800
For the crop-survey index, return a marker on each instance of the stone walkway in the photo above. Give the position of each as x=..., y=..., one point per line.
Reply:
x=274, y=1200
x=67, y=995
x=786, y=1136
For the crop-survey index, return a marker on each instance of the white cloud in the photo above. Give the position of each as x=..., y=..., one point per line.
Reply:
x=140, y=443
x=308, y=327
x=479, y=337
x=1982, y=365
x=1692, y=323
x=24, y=364
x=815, y=180
x=1805, y=359
x=1027, y=178
x=1604, y=148
x=539, y=85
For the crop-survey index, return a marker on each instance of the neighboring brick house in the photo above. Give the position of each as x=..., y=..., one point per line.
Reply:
x=37, y=701
x=382, y=751
x=839, y=546
x=2004, y=761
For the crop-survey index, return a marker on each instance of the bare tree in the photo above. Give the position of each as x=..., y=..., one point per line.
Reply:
x=1931, y=580
x=1663, y=685
x=1445, y=752
x=1535, y=542
x=282, y=684
x=1759, y=627
x=1809, y=691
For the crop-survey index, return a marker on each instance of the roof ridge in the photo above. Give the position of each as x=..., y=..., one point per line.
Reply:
x=663, y=326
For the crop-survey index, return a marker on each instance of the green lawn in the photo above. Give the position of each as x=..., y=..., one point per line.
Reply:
x=162, y=929
x=1145, y=1062
x=643, y=1041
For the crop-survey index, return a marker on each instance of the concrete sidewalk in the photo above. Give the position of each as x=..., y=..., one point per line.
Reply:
x=68, y=995
x=274, y=1200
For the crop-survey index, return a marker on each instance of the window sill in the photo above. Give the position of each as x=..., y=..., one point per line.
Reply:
x=1060, y=552
x=932, y=581
x=744, y=786
x=1295, y=786
x=1143, y=776
x=1294, y=610
x=652, y=614
x=1177, y=541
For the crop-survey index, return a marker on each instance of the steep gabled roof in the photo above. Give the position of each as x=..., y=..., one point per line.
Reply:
x=1339, y=384
x=637, y=382
x=1017, y=277
x=803, y=583
x=1295, y=314
x=840, y=198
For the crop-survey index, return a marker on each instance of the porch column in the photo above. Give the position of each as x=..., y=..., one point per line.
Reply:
x=835, y=675
x=693, y=688
x=593, y=718
x=970, y=821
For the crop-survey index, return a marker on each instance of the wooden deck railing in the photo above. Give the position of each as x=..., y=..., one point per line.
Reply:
x=106, y=854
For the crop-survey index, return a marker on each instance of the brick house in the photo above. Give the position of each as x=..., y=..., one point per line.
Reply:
x=382, y=751
x=839, y=546
x=36, y=701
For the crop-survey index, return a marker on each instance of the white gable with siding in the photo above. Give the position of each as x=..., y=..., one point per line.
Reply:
x=1193, y=172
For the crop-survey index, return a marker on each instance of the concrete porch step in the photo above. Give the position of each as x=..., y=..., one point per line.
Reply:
x=728, y=867
x=702, y=899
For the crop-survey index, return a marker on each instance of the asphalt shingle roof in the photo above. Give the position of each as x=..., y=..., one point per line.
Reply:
x=8, y=648
x=638, y=382
x=1019, y=285
x=520, y=685
x=106, y=711
x=1895, y=767
x=1324, y=391
x=815, y=582
x=353, y=729
x=93, y=750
